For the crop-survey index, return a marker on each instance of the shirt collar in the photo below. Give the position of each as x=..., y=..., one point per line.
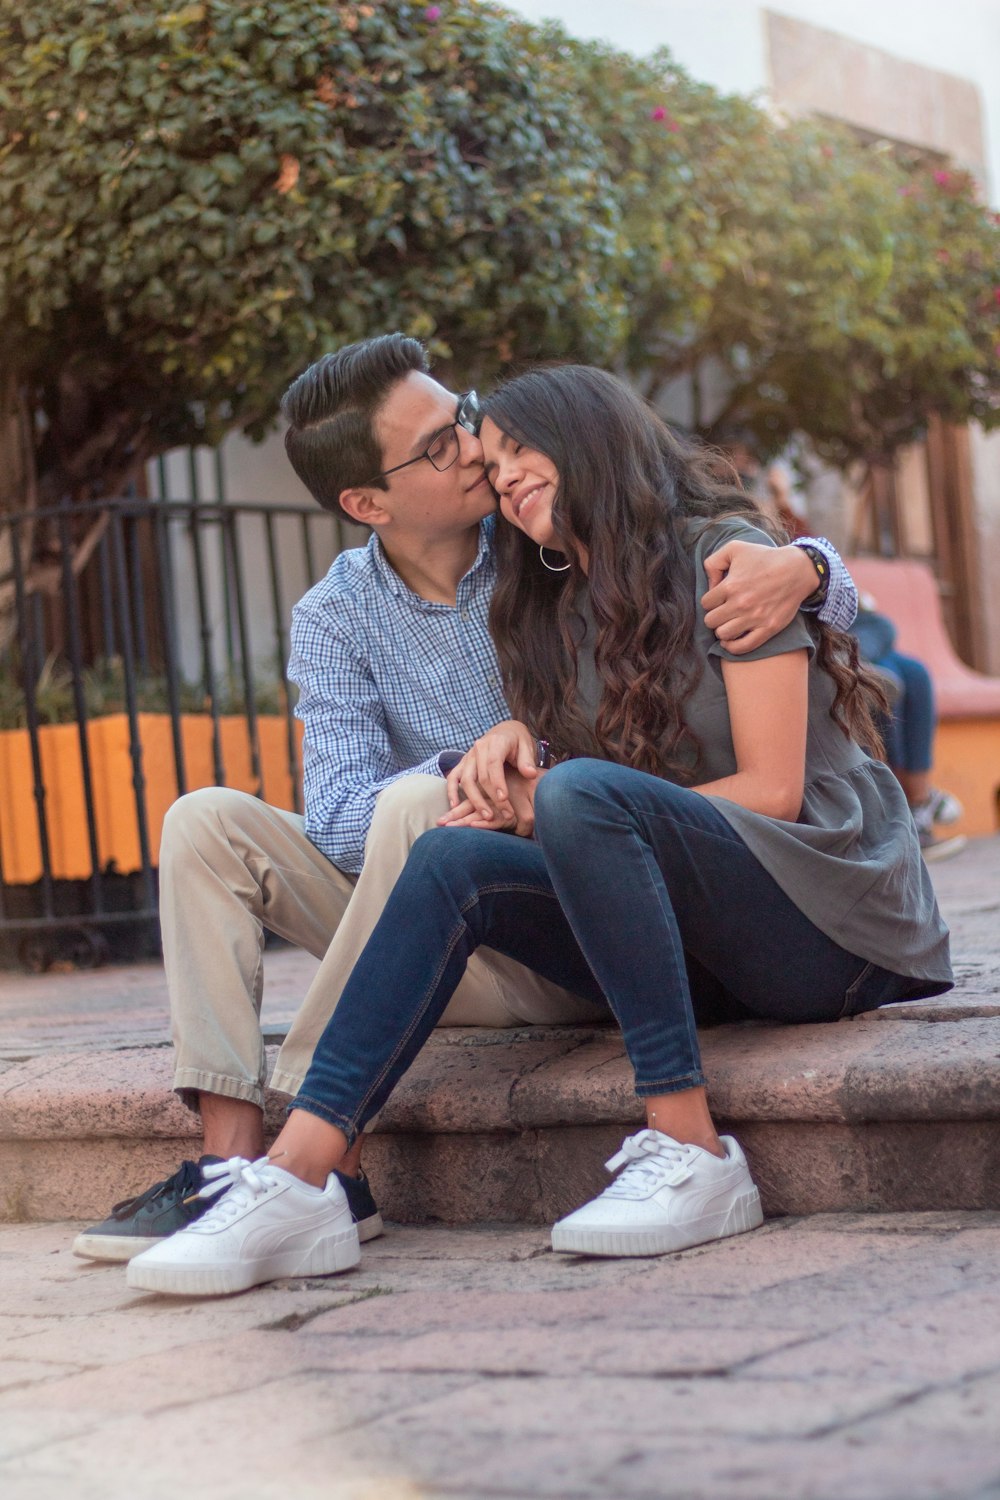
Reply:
x=396, y=586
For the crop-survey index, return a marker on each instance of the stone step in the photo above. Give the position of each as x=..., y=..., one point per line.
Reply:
x=897, y=1110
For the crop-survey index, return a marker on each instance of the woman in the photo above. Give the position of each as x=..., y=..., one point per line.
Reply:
x=712, y=841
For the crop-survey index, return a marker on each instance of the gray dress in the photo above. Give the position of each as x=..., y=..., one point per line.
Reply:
x=851, y=862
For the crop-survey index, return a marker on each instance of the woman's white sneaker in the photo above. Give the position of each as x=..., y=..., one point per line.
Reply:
x=266, y=1225
x=669, y=1197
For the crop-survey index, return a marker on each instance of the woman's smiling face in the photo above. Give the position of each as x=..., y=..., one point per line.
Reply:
x=526, y=482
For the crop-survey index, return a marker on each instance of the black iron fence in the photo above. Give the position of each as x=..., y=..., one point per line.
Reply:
x=143, y=651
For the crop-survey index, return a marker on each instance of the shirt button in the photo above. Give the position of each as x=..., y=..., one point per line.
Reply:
x=491, y=680
x=465, y=614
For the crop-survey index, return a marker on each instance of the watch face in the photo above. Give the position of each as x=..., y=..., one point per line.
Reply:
x=822, y=570
x=821, y=565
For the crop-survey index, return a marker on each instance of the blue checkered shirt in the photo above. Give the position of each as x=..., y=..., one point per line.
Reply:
x=391, y=685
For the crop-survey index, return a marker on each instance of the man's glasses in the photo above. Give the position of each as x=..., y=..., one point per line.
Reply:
x=443, y=448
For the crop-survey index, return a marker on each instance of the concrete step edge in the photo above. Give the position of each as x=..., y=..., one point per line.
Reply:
x=876, y=1068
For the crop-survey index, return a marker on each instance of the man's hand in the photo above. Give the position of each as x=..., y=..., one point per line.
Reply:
x=481, y=775
x=519, y=819
x=755, y=592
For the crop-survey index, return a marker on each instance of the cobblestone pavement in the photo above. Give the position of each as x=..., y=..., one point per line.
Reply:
x=836, y=1356
x=839, y=1357
x=122, y=1005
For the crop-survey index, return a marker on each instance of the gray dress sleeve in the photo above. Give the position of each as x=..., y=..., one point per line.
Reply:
x=716, y=534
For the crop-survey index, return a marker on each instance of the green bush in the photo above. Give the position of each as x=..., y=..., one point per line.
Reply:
x=197, y=200
x=842, y=288
x=104, y=693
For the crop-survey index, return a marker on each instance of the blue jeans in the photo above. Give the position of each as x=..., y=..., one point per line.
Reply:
x=635, y=893
x=909, y=733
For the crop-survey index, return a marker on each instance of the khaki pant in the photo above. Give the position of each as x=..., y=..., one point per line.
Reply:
x=231, y=866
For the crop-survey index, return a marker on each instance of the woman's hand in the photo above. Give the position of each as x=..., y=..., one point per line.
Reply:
x=480, y=777
x=520, y=820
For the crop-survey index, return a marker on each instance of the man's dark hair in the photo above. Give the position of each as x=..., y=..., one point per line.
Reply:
x=331, y=410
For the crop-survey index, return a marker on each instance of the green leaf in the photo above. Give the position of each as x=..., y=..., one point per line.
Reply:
x=78, y=53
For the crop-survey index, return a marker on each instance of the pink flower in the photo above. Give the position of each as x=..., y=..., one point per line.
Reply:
x=432, y=13
x=659, y=113
x=943, y=256
x=826, y=151
x=942, y=178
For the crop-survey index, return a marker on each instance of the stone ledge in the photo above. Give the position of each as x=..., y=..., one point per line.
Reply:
x=895, y=1110
x=935, y=1067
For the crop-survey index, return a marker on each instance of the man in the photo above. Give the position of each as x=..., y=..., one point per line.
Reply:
x=397, y=677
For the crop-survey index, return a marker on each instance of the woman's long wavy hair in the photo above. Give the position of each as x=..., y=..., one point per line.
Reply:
x=627, y=483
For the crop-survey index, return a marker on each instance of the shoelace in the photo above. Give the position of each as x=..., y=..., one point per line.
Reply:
x=234, y=1183
x=183, y=1182
x=651, y=1161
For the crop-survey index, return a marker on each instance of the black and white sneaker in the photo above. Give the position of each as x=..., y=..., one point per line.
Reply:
x=136, y=1224
x=937, y=807
x=364, y=1209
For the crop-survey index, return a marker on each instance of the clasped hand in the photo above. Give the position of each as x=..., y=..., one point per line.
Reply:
x=493, y=785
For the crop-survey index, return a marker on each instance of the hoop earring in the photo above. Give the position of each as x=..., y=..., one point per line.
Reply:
x=565, y=567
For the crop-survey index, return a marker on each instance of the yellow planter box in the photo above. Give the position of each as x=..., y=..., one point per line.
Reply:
x=114, y=794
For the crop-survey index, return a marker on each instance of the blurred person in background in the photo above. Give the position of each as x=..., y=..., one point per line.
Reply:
x=908, y=731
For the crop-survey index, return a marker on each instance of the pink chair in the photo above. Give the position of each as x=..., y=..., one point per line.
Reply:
x=967, y=744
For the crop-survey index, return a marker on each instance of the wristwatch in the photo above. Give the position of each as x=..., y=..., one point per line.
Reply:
x=818, y=559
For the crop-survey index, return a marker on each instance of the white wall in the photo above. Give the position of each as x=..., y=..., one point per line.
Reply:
x=718, y=41
x=252, y=473
x=722, y=41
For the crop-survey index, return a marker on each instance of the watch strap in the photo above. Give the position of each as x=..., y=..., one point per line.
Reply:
x=821, y=563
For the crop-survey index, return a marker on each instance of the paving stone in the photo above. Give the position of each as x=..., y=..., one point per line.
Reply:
x=18, y=1374
x=104, y=1008
x=955, y=1336
x=817, y=1358
x=200, y=1371
x=965, y=1410
x=238, y=1443
x=566, y=1438
x=112, y=1336
x=492, y=1350
x=828, y=1468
